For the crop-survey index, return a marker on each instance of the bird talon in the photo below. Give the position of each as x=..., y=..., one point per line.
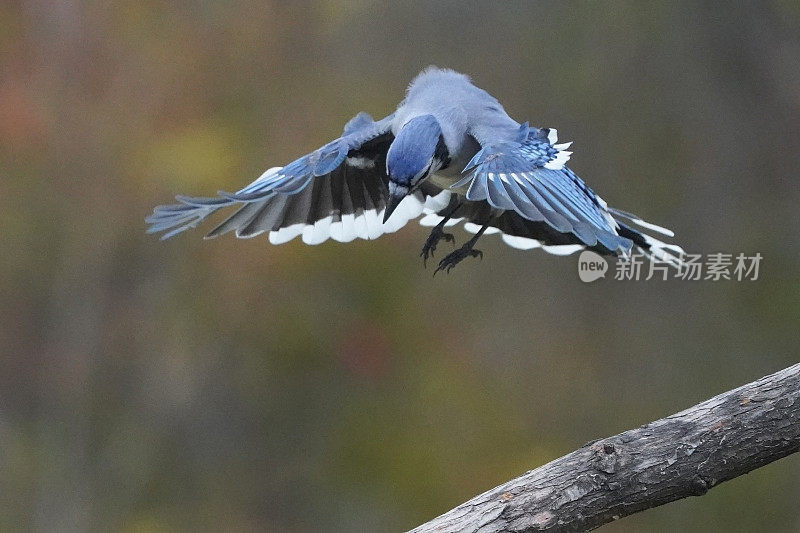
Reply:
x=433, y=240
x=449, y=261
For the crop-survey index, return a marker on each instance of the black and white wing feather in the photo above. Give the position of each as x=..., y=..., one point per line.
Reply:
x=338, y=191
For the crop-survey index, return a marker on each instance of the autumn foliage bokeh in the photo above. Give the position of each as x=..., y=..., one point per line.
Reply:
x=233, y=385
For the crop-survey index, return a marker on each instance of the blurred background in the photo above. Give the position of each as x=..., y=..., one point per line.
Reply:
x=233, y=385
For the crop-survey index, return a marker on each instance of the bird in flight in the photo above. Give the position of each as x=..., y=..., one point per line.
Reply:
x=450, y=154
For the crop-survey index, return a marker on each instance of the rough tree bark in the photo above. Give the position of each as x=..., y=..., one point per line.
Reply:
x=681, y=455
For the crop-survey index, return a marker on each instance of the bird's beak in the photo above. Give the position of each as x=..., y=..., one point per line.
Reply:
x=396, y=195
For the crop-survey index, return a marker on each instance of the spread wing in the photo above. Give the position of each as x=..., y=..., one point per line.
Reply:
x=338, y=191
x=528, y=176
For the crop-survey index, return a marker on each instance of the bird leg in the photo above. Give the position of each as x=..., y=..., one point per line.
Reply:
x=437, y=234
x=454, y=258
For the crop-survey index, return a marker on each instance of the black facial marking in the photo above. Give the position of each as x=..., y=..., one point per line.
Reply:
x=441, y=153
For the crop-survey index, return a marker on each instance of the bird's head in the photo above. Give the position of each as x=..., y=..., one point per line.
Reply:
x=417, y=151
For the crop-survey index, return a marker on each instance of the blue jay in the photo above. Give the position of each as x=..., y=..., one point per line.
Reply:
x=449, y=152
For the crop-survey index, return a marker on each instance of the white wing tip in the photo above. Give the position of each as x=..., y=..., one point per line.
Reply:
x=671, y=254
x=521, y=243
x=641, y=223
x=473, y=228
x=562, y=249
x=286, y=234
x=559, y=161
x=654, y=227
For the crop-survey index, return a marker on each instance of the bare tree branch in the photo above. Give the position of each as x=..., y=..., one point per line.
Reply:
x=681, y=455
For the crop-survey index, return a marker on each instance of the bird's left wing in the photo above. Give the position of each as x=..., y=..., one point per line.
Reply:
x=338, y=191
x=528, y=176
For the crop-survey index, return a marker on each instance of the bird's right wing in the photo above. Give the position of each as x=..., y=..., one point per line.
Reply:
x=543, y=203
x=528, y=176
x=338, y=191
